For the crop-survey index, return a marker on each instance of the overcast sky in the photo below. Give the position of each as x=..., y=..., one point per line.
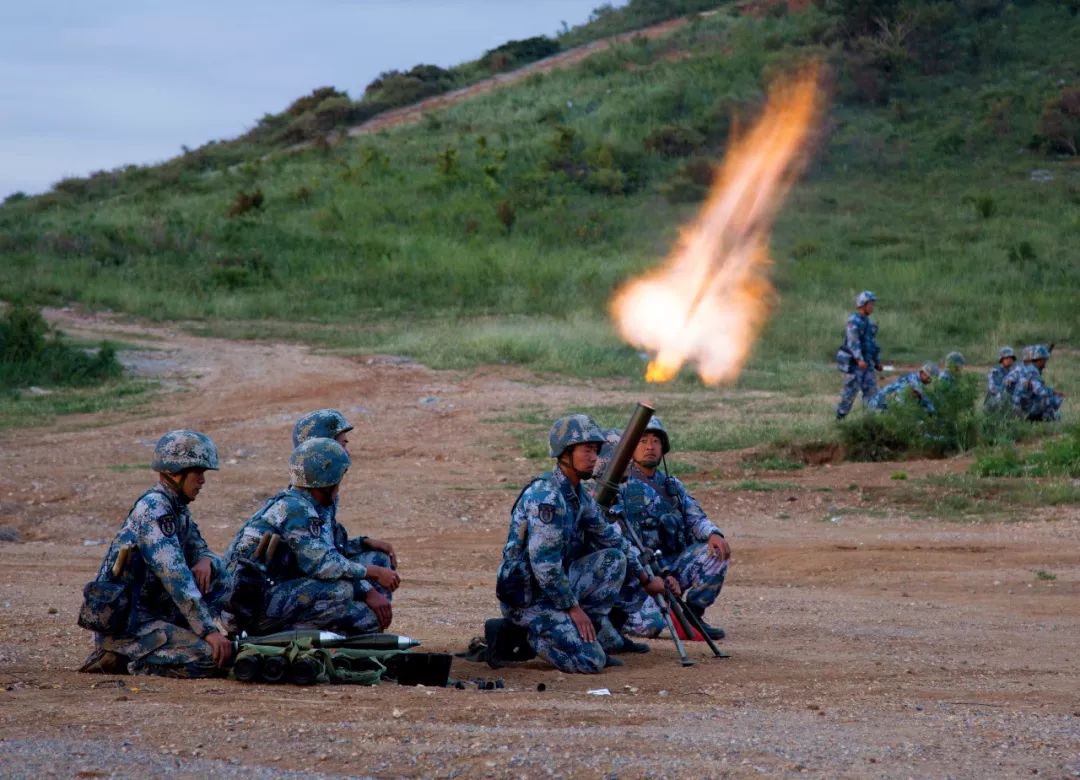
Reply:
x=87, y=85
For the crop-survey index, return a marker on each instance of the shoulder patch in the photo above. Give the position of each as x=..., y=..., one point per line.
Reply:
x=315, y=526
x=167, y=525
x=546, y=513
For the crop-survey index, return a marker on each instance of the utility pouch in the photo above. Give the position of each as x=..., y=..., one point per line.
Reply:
x=845, y=361
x=249, y=593
x=513, y=585
x=106, y=607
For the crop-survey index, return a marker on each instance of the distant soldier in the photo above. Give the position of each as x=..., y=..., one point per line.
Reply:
x=331, y=424
x=909, y=385
x=954, y=365
x=1032, y=398
x=155, y=596
x=563, y=564
x=689, y=549
x=996, y=398
x=859, y=357
x=314, y=585
x=1018, y=374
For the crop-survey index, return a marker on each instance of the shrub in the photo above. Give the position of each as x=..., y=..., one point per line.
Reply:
x=1059, y=124
x=303, y=105
x=393, y=88
x=33, y=353
x=674, y=141
x=514, y=53
x=245, y=202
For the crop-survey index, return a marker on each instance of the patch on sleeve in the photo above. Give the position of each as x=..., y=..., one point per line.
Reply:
x=315, y=526
x=167, y=525
x=546, y=513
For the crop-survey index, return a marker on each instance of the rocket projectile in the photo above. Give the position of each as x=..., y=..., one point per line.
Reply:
x=330, y=639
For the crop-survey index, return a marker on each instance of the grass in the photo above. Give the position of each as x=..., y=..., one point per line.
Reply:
x=761, y=486
x=18, y=409
x=960, y=497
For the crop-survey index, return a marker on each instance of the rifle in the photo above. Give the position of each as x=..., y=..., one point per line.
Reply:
x=607, y=489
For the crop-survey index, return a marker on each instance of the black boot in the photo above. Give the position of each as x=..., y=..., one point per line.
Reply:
x=506, y=643
x=713, y=631
x=630, y=646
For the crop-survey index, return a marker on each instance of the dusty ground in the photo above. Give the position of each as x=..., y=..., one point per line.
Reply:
x=870, y=645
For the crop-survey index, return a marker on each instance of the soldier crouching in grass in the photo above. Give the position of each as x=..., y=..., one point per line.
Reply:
x=563, y=563
x=153, y=606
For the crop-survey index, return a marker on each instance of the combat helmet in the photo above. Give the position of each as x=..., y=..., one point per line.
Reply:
x=183, y=449
x=864, y=298
x=322, y=423
x=607, y=451
x=318, y=463
x=657, y=428
x=1028, y=353
x=930, y=369
x=1040, y=352
x=1006, y=352
x=955, y=359
x=573, y=429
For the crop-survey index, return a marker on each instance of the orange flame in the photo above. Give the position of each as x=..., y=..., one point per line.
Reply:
x=708, y=301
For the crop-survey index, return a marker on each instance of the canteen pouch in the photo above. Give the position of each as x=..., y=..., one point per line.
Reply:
x=845, y=361
x=106, y=607
x=513, y=585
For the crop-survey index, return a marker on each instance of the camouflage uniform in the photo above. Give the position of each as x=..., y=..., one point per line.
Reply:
x=1032, y=398
x=316, y=586
x=672, y=523
x=995, y=381
x=900, y=389
x=573, y=557
x=170, y=618
x=954, y=363
x=860, y=343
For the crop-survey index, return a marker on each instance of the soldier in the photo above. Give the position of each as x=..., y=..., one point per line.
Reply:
x=563, y=563
x=168, y=623
x=331, y=424
x=1018, y=374
x=315, y=586
x=859, y=357
x=912, y=384
x=995, y=380
x=954, y=364
x=689, y=549
x=1032, y=398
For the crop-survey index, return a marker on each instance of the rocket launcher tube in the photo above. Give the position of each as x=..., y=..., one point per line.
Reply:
x=607, y=487
x=330, y=639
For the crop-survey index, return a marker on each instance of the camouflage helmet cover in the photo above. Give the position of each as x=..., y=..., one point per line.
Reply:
x=607, y=451
x=1006, y=352
x=320, y=424
x=930, y=369
x=573, y=429
x=955, y=359
x=656, y=427
x=318, y=463
x=1028, y=353
x=864, y=297
x=183, y=449
x=1040, y=352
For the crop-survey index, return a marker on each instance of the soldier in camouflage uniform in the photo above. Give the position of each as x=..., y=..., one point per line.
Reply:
x=908, y=385
x=996, y=398
x=315, y=586
x=688, y=548
x=1018, y=373
x=954, y=364
x=1032, y=398
x=174, y=581
x=331, y=424
x=563, y=563
x=859, y=355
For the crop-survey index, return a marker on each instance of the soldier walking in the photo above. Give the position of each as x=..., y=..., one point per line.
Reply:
x=859, y=357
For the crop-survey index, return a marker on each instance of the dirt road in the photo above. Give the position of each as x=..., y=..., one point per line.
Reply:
x=865, y=643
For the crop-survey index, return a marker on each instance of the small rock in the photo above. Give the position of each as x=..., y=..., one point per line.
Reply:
x=53, y=610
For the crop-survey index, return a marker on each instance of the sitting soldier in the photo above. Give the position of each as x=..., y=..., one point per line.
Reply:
x=331, y=424
x=563, y=563
x=954, y=366
x=912, y=384
x=689, y=549
x=311, y=584
x=1032, y=398
x=159, y=583
x=996, y=397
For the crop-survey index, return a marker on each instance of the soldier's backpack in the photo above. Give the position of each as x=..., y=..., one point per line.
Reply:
x=514, y=581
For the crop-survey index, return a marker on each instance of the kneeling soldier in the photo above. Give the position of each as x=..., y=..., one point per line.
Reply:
x=312, y=584
x=167, y=580
x=563, y=564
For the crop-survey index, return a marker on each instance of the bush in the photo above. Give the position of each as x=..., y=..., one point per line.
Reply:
x=515, y=53
x=33, y=353
x=1059, y=125
x=1057, y=458
x=245, y=202
x=674, y=141
x=393, y=88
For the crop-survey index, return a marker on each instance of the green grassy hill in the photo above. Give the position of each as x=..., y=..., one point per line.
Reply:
x=940, y=183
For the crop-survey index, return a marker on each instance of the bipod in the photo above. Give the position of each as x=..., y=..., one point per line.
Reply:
x=692, y=623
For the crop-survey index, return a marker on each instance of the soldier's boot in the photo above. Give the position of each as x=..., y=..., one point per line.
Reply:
x=714, y=632
x=506, y=643
x=613, y=640
x=612, y=661
x=105, y=662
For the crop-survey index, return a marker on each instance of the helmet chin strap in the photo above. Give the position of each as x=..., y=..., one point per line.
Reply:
x=175, y=484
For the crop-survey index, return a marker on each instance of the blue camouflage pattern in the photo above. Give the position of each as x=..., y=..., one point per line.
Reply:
x=907, y=386
x=575, y=557
x=861, y=379
x=1032, y=398
x=573, y=429
x=320, y=424
x=316, y=585
x=170, y=617
x=183, y=449
x=318, y=463
x=860, y=341
x=995, y=389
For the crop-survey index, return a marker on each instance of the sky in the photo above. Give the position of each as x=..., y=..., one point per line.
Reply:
x=88, y=86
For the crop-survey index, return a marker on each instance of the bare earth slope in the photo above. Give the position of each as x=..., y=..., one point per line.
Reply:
x=874, y=646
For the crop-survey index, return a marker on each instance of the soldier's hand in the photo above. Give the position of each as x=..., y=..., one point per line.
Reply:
x=673, y=585
x=877, y=366
x=388, y=578
x=381, y=546
x=203, y=572
x=862, y=364
x=719, y=548
x=380, y=605
x=654, y=586
x=583, y=623
x=220, y=647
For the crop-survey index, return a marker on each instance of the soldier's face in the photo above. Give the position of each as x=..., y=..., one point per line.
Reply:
x=1040, y=363
x=924, y=377
x=191, y=482
x=1006, y=362
x=649, y=450
x=343, y=440
x=868, y=307
x=583, y=459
